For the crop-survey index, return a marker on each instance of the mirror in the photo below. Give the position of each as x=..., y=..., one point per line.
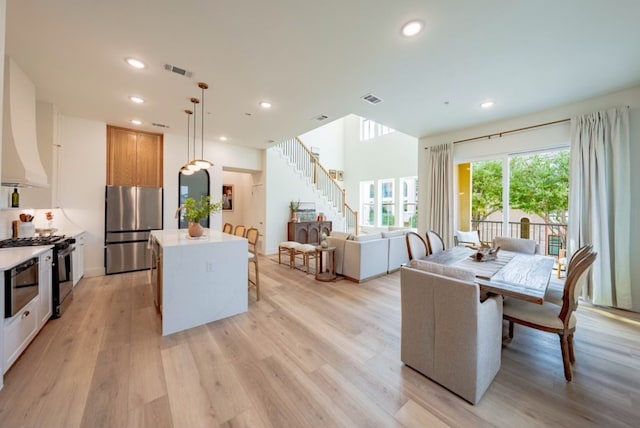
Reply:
x=192, y=186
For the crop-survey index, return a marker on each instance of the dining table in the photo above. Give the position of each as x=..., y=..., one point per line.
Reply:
x=518, y=275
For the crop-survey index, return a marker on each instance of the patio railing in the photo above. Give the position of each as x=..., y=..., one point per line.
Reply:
x=549, y=236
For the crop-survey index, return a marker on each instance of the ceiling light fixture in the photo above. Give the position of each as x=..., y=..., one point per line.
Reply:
x=185, y=168
x=136, y=122
x=412, y=28
x=265, y=104
x=223, y=138
x=202, y=162
x=136, y=100
x=135, y=63
x=487, y=104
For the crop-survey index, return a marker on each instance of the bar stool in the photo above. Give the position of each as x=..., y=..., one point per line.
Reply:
x=307, y=251
x=288, y=247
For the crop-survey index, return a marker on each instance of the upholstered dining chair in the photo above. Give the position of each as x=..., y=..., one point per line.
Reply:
x=416, y=246
x=518, y=245
x=471, y=237
x=240, y=231
x=227, y=228
x=252, y=237
x=434, y=242
x=553, y=318
x=554, y=294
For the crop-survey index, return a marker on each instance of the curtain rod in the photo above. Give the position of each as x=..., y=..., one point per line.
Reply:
x=500, y=134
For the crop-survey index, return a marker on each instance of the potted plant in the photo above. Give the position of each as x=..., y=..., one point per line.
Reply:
x=294, y=207
x=197, y=210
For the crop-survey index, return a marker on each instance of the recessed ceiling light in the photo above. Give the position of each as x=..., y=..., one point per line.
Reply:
x=265, y=104
x=412, y=28
x=135, y=63
x=136, y=122
x=487, y=104
x=136, y=100
x=223, y=138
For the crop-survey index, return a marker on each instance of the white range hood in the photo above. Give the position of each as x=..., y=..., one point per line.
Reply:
x=21, y=164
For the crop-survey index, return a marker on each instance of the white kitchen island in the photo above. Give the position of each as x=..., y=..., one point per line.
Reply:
x=197, y=281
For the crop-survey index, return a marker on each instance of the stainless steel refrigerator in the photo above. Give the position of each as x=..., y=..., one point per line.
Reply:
x=130, y=214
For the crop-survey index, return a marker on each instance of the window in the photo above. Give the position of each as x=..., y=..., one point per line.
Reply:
x=368, y=203
x=410, y=202
x=370, y=129
x=387, y=205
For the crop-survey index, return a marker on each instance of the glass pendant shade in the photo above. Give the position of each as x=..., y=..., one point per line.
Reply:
x=186, y=171
x=203, y=163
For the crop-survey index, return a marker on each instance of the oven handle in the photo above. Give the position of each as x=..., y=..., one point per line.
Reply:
x=25, y=266
x=66, y=251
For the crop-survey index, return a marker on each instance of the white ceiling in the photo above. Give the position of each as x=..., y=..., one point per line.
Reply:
x=319, y=57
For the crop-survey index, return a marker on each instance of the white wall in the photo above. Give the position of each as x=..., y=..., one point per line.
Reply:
x=543, y=138
x=329, y=140
x=82, y=178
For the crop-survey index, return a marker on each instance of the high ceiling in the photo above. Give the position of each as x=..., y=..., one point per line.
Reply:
x=319, y=58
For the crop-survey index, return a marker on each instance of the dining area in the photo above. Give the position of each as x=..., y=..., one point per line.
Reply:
x=456, y=303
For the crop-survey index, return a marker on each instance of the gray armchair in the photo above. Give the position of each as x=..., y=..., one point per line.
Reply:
x=448, y=335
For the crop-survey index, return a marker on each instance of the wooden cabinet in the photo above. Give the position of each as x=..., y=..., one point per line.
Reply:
x=308, y=232
x=134, y=158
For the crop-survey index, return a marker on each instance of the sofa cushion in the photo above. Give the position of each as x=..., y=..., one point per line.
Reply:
x=363, y=238
x=394, y=233
x=339, y=235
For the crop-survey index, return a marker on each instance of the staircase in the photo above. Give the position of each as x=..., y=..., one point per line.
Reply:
x=303, y=161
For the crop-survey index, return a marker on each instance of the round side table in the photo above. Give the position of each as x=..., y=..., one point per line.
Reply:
x=325, y=271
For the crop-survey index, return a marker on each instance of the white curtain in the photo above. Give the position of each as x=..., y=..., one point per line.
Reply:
x=439, y=215
x=599, y=207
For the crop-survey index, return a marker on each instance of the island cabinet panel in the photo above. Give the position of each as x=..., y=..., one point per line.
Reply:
x=134, y=158
x=308, y=232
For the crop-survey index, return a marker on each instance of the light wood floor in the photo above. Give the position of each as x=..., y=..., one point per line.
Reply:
x=308, y=354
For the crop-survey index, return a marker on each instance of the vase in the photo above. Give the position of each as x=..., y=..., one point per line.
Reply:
x=324, y=243
x=195, y=229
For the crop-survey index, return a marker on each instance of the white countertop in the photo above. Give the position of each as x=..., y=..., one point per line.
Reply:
x=9, y=257
x=179, y=237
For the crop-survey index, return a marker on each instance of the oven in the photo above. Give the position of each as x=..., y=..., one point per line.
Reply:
x=62, y=278
x=21, y=286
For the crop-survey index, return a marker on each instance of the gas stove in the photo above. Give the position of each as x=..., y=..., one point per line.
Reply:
x=34, y=241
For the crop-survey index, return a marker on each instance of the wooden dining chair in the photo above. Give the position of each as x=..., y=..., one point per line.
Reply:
x=552, y=318
x=554, y=294
x=227, y=228
x=252, y=236
x=416, y=246
x=434, y=242
x=240, y=231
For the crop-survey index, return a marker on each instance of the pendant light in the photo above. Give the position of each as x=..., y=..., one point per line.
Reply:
x=193, y=166
x=202, y=162
x=185, y=170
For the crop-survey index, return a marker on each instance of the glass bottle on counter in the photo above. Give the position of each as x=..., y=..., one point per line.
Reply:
x=15, y=198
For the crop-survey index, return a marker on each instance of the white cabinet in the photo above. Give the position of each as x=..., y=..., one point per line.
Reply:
x=44, y=287
x=77, y=257
x=18, y=332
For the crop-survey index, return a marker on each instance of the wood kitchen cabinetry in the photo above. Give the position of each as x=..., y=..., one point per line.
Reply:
x=134, y=158
x=308, y=232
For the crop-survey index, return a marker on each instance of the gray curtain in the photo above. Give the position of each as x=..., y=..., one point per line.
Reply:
x=599, y=207
x=439, y=215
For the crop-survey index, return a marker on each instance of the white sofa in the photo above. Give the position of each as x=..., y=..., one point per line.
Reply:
x=447, y=333
x=362, y=257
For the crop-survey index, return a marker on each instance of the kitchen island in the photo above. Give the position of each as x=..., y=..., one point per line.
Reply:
x=198, y=280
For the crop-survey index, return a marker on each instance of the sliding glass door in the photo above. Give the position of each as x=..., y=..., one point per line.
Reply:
x=520, y=196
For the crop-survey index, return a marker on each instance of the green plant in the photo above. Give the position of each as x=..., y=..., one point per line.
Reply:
x=294, y=206
x=200, y=209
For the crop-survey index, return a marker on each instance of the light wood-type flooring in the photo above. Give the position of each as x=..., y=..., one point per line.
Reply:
x=309, y=354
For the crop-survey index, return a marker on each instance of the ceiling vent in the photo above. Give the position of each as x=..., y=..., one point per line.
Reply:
x=178, y=70
x=370, y=98
x=160, y=125
x=321, y=118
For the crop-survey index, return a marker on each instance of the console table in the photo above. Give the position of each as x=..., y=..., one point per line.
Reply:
x=308, y=232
